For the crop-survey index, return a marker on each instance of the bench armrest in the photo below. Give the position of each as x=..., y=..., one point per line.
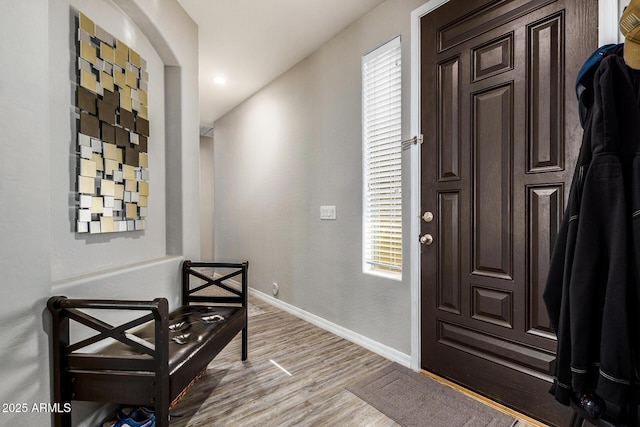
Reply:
x=64, y=310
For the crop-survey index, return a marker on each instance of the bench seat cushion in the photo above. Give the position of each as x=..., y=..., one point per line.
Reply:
x=197, y=334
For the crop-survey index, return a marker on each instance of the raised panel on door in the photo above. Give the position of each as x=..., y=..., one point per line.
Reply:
x=492, y=141
x=545, y=83
x=449, y=263
x=544, y=215
x=448, y=120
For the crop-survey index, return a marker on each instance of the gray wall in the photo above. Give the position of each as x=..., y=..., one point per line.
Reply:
x=40, y=255
x=297, y=145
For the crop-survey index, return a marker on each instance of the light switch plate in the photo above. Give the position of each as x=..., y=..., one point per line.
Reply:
x=327, y=212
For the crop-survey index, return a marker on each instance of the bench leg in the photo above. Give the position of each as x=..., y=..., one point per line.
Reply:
x=245, y=344
x=62, y=419
x=61, y=382
x=162, y=416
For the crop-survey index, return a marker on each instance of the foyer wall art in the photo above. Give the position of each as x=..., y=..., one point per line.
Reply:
x=113, y=130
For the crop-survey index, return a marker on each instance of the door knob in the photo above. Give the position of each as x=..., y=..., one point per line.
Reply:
x=426, y=239
x=427, y=216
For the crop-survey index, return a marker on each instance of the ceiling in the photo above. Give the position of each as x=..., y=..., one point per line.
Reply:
x=251, y=42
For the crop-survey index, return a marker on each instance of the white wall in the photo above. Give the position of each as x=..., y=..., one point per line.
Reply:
x=25, y=210
x=40, y=255
x=206, y=199
x=297, y=145
x=609, y=13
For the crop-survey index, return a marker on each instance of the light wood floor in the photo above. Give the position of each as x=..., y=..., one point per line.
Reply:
x=308, y=389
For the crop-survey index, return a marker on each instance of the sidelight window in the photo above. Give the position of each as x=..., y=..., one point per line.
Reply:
x=381, y=139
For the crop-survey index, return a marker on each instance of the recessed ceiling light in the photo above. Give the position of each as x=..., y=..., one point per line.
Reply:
x=220, y=80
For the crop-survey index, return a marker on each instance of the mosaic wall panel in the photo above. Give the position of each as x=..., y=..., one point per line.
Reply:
x=113, y=131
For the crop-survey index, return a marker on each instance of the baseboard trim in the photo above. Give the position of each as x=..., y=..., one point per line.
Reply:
x=371, y=345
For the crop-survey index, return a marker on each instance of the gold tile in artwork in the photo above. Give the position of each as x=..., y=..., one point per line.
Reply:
x=126, y=91
x=106, y=224
x=131, y=210
x=110, y=165
x=107, y=187
x=110, y=151
x=129, y=172
x=97, y=157
x=125, y=102
x=107, y=53
x=119, y=192
x=143, y=160
x=107, y=81
x=119, y=155
x=143, y=188
x=86, y=185
x=97, y=205
x=88, y=52
x=88, y=80
x=87, y=24
x=143, y=112
x=119, y=78
x=130, y=185
x=143, y=201
x=88, y=168
x=134, y=58
x=142, y=96
x=122, y=54
x=132, y=80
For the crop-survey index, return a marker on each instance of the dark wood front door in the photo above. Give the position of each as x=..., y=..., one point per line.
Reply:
x=499, y=117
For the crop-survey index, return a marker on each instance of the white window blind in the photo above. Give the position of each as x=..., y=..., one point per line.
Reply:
x=381, y=129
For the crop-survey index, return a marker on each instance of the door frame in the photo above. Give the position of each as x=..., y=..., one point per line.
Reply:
x=608, y=32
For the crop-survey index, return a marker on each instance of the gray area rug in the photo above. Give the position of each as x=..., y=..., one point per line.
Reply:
x=415, y=400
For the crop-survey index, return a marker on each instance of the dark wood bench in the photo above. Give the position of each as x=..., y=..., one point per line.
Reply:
x=153, y=359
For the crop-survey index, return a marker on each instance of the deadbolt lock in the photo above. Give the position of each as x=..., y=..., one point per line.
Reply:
x=426, y=239
x=427, y=216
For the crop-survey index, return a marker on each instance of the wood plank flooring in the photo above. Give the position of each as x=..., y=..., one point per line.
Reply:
x=306, y=389
x=258, y=393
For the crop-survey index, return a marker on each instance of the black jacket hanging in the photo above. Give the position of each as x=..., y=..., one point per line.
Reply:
x=592, y=291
